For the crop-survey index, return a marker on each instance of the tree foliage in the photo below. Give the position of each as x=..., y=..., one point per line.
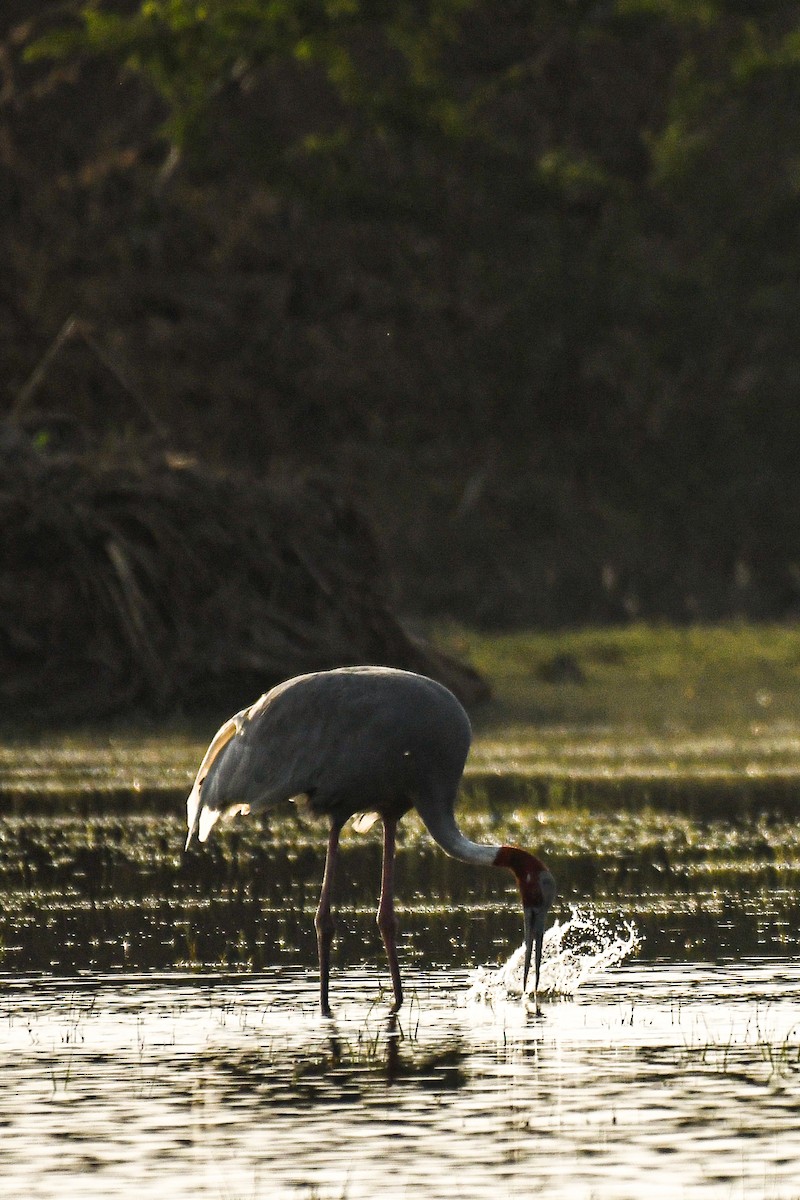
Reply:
x=379, y=60
x=546, y=251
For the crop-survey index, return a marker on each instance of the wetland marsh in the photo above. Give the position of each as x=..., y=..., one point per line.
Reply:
x=158, y=1008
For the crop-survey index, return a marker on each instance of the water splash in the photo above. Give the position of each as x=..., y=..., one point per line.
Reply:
x=573, y=953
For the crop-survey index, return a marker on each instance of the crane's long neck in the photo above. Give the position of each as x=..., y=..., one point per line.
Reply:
x=536, y=885
x=441, y=825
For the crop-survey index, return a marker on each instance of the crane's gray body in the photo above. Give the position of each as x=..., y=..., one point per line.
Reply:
x=357, y=739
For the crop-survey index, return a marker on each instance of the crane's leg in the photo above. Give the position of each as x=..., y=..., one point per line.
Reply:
x=387, y=921
x=324, y=921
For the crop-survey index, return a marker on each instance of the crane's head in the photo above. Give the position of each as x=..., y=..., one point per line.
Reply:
x=537, y=887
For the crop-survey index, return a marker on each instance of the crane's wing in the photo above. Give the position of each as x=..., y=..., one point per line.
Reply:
x=256, y=759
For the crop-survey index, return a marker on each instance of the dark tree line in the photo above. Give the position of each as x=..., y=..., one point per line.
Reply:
x=521, y=276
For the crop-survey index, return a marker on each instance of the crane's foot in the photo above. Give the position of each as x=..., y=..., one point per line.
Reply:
x=532, y=1006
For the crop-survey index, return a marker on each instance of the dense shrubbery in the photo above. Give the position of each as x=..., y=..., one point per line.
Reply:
x=525, y=275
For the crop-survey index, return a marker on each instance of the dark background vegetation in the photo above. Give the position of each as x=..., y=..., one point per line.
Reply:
x=521, y=278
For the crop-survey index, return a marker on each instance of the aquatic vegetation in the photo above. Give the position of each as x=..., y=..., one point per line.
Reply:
x=110, y=892
x=685, y=827
x=173, y=996
x=747, y=1043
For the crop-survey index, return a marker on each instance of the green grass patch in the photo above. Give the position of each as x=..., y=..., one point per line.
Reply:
x=641, y=714
x=644, y=678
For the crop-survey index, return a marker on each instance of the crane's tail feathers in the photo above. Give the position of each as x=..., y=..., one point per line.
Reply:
x=198, y=822
x=208, y=817
x=193, y=811
x=206, y=821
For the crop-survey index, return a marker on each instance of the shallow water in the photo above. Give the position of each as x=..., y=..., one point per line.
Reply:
x=658, y=1080
x=158, y=1010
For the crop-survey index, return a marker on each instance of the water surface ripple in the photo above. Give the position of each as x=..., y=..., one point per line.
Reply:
x=159, y=1029
x=658, y=1080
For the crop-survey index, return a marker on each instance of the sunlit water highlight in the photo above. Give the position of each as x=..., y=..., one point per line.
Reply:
x=574, y=952
x=138, y=1064
x=655, y=1079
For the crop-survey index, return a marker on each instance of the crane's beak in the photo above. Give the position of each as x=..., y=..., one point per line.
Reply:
x=534, y=936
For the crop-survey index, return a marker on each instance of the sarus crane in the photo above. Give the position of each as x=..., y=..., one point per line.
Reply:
x=368, y=742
